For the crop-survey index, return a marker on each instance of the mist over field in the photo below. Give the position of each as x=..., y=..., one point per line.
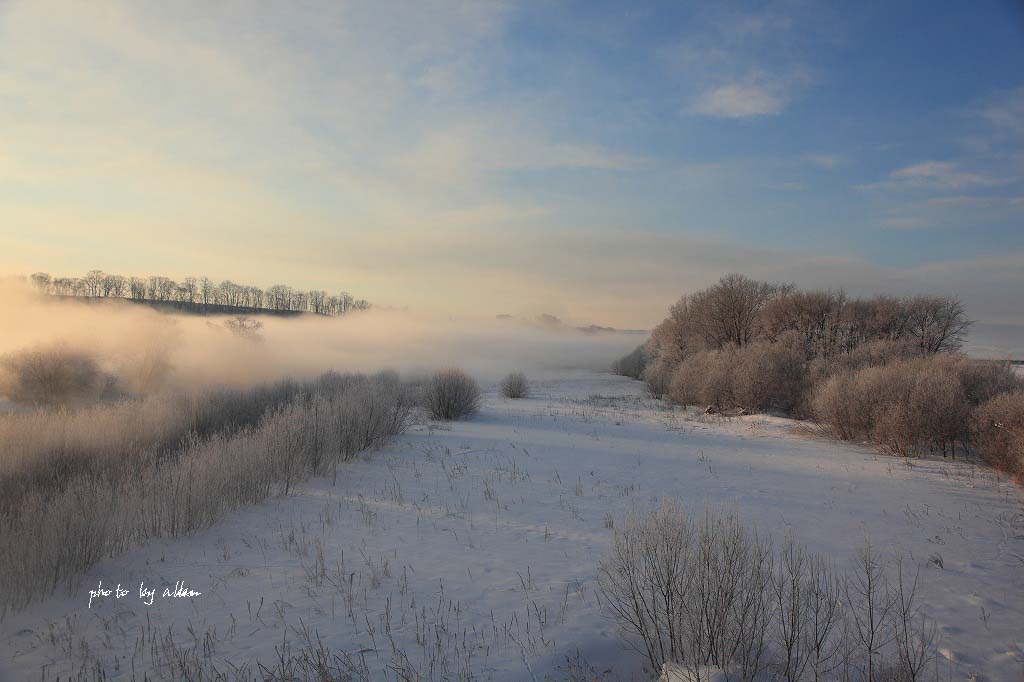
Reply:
x=146, y=349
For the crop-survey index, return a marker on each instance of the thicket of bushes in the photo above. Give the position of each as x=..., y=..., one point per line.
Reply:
x=707, y=595
x=1000, y=423
x=912, y=406
x=78, y=483
x=883, y=370
x=76, y=486
x=761, y=376
x=54, y=375
x=633, y=364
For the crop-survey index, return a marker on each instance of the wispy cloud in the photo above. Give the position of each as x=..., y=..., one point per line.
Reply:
x=462, y=153
x=757, y=24
x=787, y=186
x=935, y=176
x=741, y=64
x=940, y=175
x=439, y=152
x=1005, y=111
x=739, y=101
x=976, y=200
x=827, y=161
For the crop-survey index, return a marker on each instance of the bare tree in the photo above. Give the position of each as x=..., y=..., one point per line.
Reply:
x=915, y=634
x=206, y=290
x=50, y=376
x=244, y=327
x=298, y=301
x=824, y=632
x=41, y=280
x=93, y=282
x=65, y=286
x=728, y=312
x=160, y=288
x=793, y=603
x=137, y=288
x=318, y=301
x=648, y=566
x=190, y=288
x=114, y=285
x=872, y=604
x=254, y=297
x=279, y=297
x=939, y=324
x=344, y=302
x=695, y=595
x=230, y=293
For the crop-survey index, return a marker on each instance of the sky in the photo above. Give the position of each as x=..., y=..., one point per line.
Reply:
x=592, y=160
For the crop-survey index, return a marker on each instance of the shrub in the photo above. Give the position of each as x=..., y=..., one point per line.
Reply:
x=658, y=378
x=451, y=394
x=52, y=376
x=41, y=450
x=759, y=376
x=869, y=354
x=690, y=592
x=983, y=380
x=633, y=364
x=1000, y=432
x=770, y=376
x=905, y=406
x=703, y=596
x=705, y=378
x=515, y=385
x=926, y=408
x=844, y=405
x=121, y=488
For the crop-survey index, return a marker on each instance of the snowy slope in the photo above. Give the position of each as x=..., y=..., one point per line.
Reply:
x=476, y=544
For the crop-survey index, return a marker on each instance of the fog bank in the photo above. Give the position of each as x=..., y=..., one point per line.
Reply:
x=148, y=349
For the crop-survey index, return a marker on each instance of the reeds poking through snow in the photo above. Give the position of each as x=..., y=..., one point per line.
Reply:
x=90, y=484
x=41, y=451
x=706, y=594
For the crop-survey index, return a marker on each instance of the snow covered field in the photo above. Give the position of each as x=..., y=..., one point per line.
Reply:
x=474, y=545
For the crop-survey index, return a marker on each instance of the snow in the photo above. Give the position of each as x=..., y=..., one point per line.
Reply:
x=478, y=540
x=676, y=673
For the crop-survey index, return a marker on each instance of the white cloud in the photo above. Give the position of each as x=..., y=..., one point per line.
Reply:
x=905, y=222
x=975, y=200
x=759, y=24
x=940, y=175
x=1005, y=111
x=739, y=101
x=741, y=64
x=828, y=161
x=934, y=176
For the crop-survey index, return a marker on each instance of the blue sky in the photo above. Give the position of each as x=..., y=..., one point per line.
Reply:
x=590, y=159
x=856, y=127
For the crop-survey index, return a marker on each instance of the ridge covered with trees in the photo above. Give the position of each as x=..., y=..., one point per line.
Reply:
x=199, y=294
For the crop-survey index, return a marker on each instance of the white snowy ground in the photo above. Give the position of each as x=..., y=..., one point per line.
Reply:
x=480, y=540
